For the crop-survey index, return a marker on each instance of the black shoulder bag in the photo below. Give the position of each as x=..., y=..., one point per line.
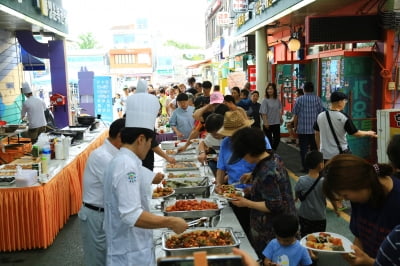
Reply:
x=341, y=151
x=302, y=196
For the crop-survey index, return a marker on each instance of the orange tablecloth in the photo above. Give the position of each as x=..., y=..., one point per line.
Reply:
x=31, y=217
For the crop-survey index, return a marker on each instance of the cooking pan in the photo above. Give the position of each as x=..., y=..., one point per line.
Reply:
x=86, y=120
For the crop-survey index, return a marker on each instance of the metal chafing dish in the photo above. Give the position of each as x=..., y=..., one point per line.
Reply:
x=192, y=214
x=209, y=249
x=191, y=185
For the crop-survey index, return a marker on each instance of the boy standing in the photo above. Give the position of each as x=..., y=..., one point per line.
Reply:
x=182, y=120
x=285, y=249
x=312, y=211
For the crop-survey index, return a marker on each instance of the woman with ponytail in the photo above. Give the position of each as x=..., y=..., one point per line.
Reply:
x=374, y=196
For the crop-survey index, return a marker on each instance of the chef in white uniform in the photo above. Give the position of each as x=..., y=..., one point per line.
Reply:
x=91, y=215
x=127, y=190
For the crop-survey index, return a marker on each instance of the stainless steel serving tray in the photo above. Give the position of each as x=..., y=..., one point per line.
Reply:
x=189, y=185
x=181, y=174
x=181, y=166
x=192, y=214
x=185, y=157
x=209, y=249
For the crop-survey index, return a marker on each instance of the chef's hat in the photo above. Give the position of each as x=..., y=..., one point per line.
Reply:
x=26, y=88
x=142, y=110
x=141, y=86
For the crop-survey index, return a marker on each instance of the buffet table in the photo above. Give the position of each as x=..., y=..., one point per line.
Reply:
x=32, y=216
x=227, y=218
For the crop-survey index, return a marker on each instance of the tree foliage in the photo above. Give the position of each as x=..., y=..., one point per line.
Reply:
x=181, y=45
x=87, y=41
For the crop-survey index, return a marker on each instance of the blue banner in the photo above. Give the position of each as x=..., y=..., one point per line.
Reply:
x=103, y=98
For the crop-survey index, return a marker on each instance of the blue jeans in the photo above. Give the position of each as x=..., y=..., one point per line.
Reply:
x=307, y=143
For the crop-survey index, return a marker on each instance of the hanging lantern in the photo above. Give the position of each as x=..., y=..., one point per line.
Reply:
x=294, y=44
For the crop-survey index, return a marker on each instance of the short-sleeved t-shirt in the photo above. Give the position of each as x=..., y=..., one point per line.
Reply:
x=314, y=206
x=292, y=255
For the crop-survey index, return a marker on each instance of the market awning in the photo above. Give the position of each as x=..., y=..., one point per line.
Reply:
x=30, y=62
x=197, y=65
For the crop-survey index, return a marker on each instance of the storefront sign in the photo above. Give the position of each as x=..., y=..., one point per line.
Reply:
x=243, y=45
x=262, y=5
x=242, y=19
x=51, y=10
x=239, y=6
x=223, y=18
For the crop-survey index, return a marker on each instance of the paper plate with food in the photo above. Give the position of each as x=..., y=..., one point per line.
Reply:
x=162, y=192
x=234, y=195
x=327, y=242
x=228, y=191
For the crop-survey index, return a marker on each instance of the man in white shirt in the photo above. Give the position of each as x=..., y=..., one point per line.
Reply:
x=34, y=108
x=127, y=190
x=91, y=214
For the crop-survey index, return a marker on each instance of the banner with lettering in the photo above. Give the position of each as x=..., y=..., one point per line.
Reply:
x=103, y=98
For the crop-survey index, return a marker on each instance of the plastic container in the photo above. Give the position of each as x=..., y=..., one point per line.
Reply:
x=35, y=151
x=46, y=151
x=67, y=144
x=59, y=150
x=45, y=165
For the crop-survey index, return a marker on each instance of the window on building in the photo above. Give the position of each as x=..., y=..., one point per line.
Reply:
x=144, y=59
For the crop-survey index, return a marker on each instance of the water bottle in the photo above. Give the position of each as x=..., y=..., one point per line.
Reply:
x=46, y=151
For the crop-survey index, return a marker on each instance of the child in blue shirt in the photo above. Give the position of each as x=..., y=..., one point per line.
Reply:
x=285, y=249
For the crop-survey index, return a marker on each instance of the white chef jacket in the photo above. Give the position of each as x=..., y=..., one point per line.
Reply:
x=35, y=108
x=127, y=193
x=93, y=176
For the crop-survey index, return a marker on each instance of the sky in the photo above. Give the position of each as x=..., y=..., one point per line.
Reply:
x=180, y=20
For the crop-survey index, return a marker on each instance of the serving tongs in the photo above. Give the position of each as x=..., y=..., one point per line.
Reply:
x=203, y=182
x=197, y=221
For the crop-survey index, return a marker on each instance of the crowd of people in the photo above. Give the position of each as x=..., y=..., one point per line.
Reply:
x=244, y=136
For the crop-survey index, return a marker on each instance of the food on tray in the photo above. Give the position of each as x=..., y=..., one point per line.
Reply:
x=181, y=165
x=170, y=152
x=162, y=192
x=200, y=238
x=181, y=175
x=192, y=205
x=7, y=173
x=324, y=241
x=14, y=166
x=225, y=189
x=183, y=183
x=234, y=195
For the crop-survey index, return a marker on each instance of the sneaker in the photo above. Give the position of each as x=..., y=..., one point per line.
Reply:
x=292, y=141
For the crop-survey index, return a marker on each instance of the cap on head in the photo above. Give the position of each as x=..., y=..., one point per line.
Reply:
x=216, y=97
x=338, y=96
x=26, y=88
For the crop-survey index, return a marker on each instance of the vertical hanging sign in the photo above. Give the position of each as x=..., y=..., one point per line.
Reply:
x=103, y=98
x=239, y=6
